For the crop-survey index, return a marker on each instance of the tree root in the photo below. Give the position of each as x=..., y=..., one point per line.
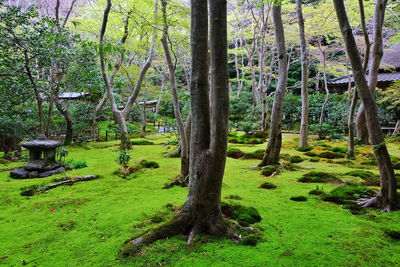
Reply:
x=184, y=182
x=377, y=203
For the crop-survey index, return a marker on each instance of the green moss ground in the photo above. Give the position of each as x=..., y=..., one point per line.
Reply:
x=91, y=220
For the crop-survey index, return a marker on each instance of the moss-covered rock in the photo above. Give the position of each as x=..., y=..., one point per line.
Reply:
x=314, y=159
x=269, y=170
x=235, y=153
x=258, y=154
x=370, y=162
x=311, y=154
x=296, y=159
x=330, y=155
x=284, y=156
x=345, y=194
x=149, y=164
x=299, y=198
x=318, y=177
x=370, y=179
x=304, y=148
x=339, y=149
x=267, y=185
x=141, y=142
x=243, y=215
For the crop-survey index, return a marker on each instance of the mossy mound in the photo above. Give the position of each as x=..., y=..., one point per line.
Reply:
x=395, y=162
x=314, y=159
x=284, y=156
x=236, y=197
x=243, y=140
x=330, y=155
x=322, y=144
x=269, y=170
x=235, y=153
x=296, y=159
x=318, y=177
x=316, y=192
x=339, y=149
x=347, y=194
x=311, y=154
x=142, y=143
x=258, y=154
x=290, y=166
x=370, y=162
x=299, y=198
x=4, y=161
x=267, y=185
x=370, y=179
x=149, y=164
x=344, y=162
x=257, y=134
x=304, y=148
x=243, y=215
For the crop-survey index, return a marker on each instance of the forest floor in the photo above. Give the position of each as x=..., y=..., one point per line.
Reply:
x=86, y=224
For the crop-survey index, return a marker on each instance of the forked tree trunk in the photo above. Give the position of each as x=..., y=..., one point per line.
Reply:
x=304, y=78
x=376, y=53
x=271, y=155
x=201, y=212
x=350, y=124
x=387, y=198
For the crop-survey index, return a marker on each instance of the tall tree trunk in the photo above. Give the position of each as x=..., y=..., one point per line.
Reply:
x=376, y=55
x=304, y=78
x=201, y=212
x=96, y=111
x=396, y=129
x=144, y=114
x=271, y=155
x=321, y=118
x=49, y=118
x=175, y=101
x=350, y=150
x=387, y=198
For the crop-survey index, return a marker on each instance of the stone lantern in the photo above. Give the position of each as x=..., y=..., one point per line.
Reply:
x=42, y=159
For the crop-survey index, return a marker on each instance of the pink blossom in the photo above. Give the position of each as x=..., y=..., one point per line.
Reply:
x=52, y=209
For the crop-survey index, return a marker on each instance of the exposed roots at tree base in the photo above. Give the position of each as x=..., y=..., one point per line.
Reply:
x=179, y=224
x=179, y=180
x=378, y=202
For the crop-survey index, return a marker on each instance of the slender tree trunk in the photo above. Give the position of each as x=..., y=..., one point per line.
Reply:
x=321, y=118
x=68, y=120
x=96, y=111
x=304, y=78
x=387, y=198
x=271, y=155
x=144, y=115
x=201, y=212
x=175, y=101
x=376, y=53
x=350, y=150
x=49, y=118
x=396, y=129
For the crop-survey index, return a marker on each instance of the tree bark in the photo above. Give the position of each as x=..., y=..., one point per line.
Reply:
x=49, y=119
x=321, y=118
x=303, y=141
x=271, y=155
x=387, y=198
x=175, y=100
x=201, y=212
x=68, y=120
x=376, y=55
x=144, y=115
x=396, y=129
x=350, y=150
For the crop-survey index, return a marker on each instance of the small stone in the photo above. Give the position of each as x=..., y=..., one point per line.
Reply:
x=20, y=173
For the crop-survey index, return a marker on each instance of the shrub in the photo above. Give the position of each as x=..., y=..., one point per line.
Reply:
x=304, y=148
x=123, y=158
x=268, y=185
x=317, y=177
x=269, y=170
x=75, y=164
x=258, y=154
x=299, y=198
x=235, y=153
x=314, y=159
x=149, y=164
x=296, y=159
x=143, y=142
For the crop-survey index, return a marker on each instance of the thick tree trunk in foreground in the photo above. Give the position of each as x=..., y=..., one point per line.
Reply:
x=271, y=155
x=304, y=78
x=376, y=55
x=175, y=101
x=387, y=198
x=201, y=212
x=350, y=124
